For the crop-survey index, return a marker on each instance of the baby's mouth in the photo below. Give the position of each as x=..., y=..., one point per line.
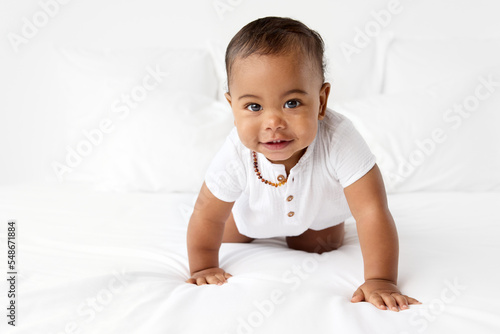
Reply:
x=276, y=144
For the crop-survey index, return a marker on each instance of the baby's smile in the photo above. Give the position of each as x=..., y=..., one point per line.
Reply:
x=277, y=144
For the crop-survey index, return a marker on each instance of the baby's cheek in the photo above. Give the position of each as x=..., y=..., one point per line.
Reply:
x=308, y=130
x=247, y=131
x=246, y=139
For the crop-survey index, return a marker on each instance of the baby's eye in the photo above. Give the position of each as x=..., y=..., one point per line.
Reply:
x=254, y=107
x=292, y=104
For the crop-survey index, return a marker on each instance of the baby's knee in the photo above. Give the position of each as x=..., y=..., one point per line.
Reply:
x=318, y=245
x=321, y=241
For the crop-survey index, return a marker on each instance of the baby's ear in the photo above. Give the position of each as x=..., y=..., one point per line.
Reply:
x=323, y=99
x=228, y=98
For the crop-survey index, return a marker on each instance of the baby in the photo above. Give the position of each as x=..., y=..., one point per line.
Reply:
x=291, y=166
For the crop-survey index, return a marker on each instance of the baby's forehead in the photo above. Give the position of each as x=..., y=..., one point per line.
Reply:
x=296, y=54
x=257, y=62
x=292, y=59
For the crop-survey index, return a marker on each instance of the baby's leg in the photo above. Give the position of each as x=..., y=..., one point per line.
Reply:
x=318, y=241
x=231, y=233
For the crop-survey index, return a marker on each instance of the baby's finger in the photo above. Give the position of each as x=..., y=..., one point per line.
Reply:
x=201, y=281
x=227, y=275
x=378, y=302
x=221, y=278
x=401, y=299
x=191, y=281
x=212, y=279
x=357, y=296
x=413, y=300
x=390, y=302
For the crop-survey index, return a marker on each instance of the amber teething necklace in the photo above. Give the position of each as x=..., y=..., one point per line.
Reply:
x=282, y=180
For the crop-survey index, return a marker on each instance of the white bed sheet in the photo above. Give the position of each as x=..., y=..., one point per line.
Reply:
x=92, y=262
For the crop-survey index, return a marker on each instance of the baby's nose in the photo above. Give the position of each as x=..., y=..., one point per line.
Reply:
x=274, y=120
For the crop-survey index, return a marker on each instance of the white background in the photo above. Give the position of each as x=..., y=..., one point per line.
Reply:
x=31, y=122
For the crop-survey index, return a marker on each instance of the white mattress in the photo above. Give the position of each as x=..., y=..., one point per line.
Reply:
x=93, y=262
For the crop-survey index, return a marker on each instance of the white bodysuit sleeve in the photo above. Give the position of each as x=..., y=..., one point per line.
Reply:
x=226, y=174
x=350, y=154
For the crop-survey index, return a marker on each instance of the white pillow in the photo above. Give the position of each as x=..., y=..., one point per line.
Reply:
x=218, y=52
x=140, y=120
x=421, y=140
x=166, y=147
x=415, y=63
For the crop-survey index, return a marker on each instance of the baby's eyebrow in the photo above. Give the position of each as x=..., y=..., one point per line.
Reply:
x=292, y=91
x=296, y=90
x=248, y=95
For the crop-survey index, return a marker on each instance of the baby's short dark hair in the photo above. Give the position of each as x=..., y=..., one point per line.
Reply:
x=275, y=36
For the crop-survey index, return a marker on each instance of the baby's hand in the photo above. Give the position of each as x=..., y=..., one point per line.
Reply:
x=380, y=293
x=209, y=276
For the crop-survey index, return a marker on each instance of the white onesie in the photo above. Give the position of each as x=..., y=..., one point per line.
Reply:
x=313, y=197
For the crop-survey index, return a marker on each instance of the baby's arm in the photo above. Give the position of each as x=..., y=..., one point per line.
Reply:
x=204, y=237
x=379, y=243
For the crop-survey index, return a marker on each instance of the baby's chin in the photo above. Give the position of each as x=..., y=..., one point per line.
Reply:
x=275, y=157
x=280, y=157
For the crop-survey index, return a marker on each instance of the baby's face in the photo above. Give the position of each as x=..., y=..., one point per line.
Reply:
x=277, y=98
